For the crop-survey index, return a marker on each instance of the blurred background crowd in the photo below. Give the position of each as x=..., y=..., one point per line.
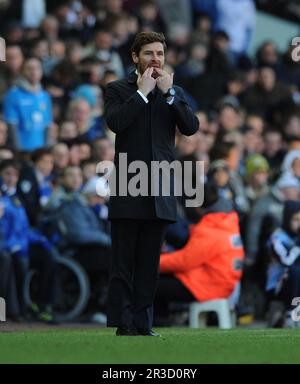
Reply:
x=61, y=55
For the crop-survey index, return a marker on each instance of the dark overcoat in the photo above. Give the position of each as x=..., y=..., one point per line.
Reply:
x=145, y=131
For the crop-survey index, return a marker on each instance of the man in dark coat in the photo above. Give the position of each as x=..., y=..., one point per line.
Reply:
x=143, y=111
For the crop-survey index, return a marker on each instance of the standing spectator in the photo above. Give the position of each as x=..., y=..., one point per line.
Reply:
x=268, y=97
x=28, y=109
x=103, y=50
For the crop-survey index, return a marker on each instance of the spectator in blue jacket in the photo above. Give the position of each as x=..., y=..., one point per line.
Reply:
x=7, y=276
x=27, y=246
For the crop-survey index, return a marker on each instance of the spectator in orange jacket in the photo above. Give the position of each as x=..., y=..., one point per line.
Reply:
x=210, y=265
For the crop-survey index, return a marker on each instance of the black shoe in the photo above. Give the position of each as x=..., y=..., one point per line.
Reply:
x=127, y=331
x=148, y=332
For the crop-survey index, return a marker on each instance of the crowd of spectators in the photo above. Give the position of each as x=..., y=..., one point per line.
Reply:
x=60, y=56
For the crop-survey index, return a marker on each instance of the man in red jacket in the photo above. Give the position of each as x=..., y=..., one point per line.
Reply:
x=210, y=265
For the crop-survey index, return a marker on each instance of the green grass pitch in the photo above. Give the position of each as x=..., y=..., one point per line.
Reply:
x=177, y=345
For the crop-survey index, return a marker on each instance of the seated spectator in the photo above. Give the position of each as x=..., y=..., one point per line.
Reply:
x=10, y=69
x=231, y=154
x=35, y=183
x=219, y=175
x=89, y=168
x=268, y=97
x=204, y=269
x=266, y=215
x=27, y=247
x=68, y=204
x=103, y=149
x=28, y=110
x=81, y=227
x=88, y=127
x=102, y=49
x=61, y=156
x=67, y=131
x=273, y=151
x=284, y=268
x=8, y=289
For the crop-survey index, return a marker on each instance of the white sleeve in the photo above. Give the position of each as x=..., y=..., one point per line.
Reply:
x=143, y=96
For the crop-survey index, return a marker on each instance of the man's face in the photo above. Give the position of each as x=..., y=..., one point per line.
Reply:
x=259, y=178
x=73, y=179
x=267, y=79
x=273, y=143
x=10, y=176
x=45, y=165
x=151, y=55
x=104, y=40
x=295, y=222
x=33, y=71
x=14, y=59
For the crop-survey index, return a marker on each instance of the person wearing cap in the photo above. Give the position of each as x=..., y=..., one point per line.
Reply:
x=219, y=174
x=256, y=177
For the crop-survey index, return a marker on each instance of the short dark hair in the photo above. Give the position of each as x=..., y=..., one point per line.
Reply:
x=8, y=163
x=221, y=150
x=144, y=38
x=39, y=153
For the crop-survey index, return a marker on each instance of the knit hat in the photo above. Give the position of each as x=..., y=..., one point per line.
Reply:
x=87, y=92
x=256, y=163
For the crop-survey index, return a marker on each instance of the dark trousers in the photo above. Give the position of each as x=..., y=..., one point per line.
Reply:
x=170, y=290
x=8, y=284
x=134, y=272
x=44, y=262
x=291, y=287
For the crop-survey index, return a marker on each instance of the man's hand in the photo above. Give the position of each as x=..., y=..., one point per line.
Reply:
x=164, y=81
x=146, y=83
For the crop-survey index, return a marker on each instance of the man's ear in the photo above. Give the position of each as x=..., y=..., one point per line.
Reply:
x=134, y=57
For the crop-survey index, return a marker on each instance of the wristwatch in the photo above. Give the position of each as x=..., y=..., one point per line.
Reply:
x=170, y=93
